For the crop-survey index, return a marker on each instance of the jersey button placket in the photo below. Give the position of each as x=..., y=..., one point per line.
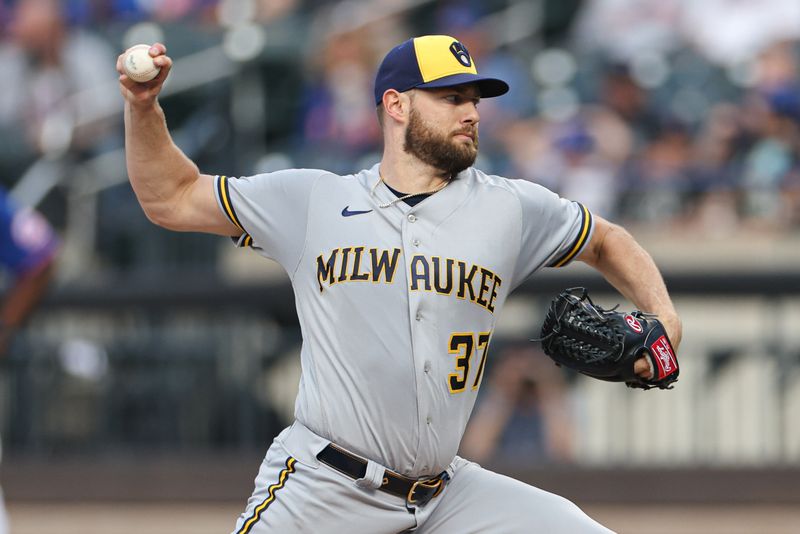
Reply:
x=412, y=245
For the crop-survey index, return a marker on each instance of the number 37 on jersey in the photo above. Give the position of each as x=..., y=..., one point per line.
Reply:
x=463, y=345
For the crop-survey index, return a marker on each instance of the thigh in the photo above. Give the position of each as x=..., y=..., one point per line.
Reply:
x=480, y=501
x=291, y=496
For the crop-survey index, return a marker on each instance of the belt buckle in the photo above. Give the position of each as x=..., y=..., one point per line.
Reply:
x=432, y=487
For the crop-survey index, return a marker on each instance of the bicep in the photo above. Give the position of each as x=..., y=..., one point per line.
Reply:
x=592, y=253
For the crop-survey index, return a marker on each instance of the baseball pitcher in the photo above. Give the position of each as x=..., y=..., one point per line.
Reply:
x=399, y=273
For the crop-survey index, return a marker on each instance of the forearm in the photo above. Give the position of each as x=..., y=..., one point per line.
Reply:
x=158, y=170
x=20, y=300
x=23, y=296
x=632, y=271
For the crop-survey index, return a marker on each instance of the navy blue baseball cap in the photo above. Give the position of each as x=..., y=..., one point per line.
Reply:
x=432, y=61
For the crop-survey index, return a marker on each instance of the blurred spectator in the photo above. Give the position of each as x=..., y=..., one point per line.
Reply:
x=61, y=92
x=777, y=66
x=716, y=166
x=522, y=416
x=338, y=110
x=27, y=253
x=464, y=20
x=770, y=166
x=735, y=31
x=338, y=114
x=92, y=12
x=527, y=145
x=585, y=176
x=657, y=179
x=579, y=159
x=620, y=93
x=28, y=247
x=623, y=29
x=273, y=10
x=724, y=31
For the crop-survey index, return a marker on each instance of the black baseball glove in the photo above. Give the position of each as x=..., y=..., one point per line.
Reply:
x=605, y=344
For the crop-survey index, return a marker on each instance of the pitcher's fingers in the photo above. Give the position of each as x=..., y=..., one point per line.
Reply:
x=643, y=368
x=165, y=64
x=120, y=61
x=157, y=49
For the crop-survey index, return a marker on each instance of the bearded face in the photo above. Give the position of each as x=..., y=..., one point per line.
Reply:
x=439, y=149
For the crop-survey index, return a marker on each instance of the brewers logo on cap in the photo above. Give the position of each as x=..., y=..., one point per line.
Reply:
x=460, y=51
x=432, y=61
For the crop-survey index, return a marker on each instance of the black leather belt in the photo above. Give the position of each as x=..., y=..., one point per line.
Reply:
x=416, y=492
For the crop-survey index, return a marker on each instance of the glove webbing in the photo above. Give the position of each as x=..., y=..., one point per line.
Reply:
x=586, y=330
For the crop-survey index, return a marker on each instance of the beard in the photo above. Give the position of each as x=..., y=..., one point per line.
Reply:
x=439, y=150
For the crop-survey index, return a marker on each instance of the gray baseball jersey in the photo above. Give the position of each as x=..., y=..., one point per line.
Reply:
x=397, y=304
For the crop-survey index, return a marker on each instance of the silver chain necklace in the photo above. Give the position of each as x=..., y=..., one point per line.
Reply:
x=400, y=199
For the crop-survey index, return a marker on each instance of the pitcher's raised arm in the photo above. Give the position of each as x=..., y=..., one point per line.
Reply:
x=170, y=188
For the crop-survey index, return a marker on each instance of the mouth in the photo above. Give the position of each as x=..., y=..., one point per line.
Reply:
x=469, y=136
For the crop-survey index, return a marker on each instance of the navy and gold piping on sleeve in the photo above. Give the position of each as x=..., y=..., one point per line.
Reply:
x=580, y=240
x=223, y=194
x=243, y=240
x=224, y=199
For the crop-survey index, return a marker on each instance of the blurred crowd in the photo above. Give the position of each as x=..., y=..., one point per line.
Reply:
x=677, y=114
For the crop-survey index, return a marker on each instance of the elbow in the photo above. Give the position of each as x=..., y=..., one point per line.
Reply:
x=162, y=215
x=163, y=197
x=167, y=207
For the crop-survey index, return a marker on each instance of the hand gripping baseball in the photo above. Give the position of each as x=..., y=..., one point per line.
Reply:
x=605, y=344
x=143, y=91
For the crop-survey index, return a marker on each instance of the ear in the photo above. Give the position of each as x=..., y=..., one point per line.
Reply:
x=397, y=105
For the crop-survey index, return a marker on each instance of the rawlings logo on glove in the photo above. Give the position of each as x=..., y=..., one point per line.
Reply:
x=605, y=344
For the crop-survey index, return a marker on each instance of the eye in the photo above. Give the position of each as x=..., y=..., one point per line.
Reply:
x=458, y=99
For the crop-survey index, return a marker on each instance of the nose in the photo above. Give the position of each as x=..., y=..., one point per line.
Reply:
x=471, y=115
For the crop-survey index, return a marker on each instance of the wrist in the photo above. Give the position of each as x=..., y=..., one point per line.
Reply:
x=674, y=327
x=143, y=106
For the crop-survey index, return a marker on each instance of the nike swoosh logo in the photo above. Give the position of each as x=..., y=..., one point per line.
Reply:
x=347, y=213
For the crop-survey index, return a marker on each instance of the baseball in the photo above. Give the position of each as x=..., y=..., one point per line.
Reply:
x=138, y=64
